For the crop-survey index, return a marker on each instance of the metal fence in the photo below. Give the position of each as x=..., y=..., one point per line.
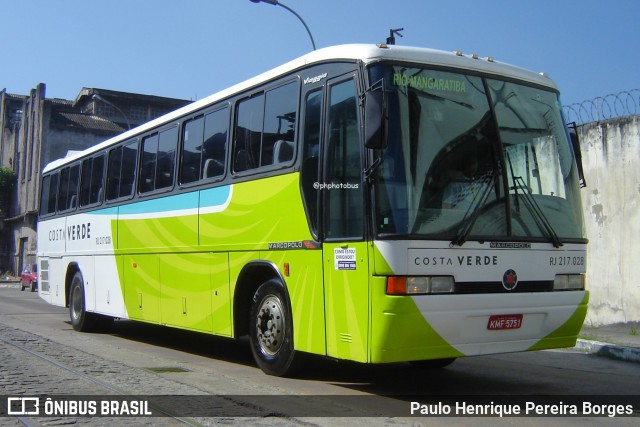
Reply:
x=620, y=104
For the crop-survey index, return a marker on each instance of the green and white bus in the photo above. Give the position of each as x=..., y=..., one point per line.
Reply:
x=368, y=203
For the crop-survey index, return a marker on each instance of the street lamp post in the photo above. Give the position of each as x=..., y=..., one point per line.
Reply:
x=277, y=3
x=99, y=98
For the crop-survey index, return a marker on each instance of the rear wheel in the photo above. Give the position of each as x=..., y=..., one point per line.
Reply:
x=271, y=330
x=80, y=319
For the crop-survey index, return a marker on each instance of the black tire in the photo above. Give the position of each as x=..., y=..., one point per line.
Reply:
x=80, y=319
x=433, y=364
x=271, y=330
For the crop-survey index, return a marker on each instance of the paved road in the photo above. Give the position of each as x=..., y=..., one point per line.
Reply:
x=148, y=360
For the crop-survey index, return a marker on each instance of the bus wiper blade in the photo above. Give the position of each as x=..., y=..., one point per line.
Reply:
x=533, y=207
x=473, y=212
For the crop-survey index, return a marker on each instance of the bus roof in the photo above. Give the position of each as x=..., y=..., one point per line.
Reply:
x=367, y=53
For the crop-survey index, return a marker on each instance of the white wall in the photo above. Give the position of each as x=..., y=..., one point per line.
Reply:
x=611, y=200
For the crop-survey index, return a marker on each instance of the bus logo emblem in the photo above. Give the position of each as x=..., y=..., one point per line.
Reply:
x=510, y=280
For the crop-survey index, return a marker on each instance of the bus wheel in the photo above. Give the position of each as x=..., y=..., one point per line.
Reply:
x=80, y=319
x=271, y=330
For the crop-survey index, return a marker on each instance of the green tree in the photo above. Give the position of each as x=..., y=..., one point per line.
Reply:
x=7, y=183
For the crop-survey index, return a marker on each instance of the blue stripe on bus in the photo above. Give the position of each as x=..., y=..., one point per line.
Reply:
x=216, y=196
x=211, y=197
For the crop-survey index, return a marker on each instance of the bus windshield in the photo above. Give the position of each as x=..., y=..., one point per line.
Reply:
x=473, y=158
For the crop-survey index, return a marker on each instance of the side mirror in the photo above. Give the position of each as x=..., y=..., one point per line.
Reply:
x=374, y=120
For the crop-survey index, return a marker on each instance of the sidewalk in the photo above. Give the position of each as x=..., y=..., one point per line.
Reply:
x=619, y=341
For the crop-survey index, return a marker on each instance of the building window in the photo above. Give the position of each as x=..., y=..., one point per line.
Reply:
x=138, y=113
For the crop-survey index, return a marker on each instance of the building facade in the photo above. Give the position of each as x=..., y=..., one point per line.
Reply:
x=35, y=130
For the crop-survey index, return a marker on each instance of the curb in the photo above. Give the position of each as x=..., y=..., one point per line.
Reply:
x=9, y=284
x=612, y=351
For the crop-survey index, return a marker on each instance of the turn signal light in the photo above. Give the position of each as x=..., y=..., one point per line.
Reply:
x=421, y=285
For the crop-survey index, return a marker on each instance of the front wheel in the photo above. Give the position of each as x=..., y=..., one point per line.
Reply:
x=80, y=319
x=271, y=330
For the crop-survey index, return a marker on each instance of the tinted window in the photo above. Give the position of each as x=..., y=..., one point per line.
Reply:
x=279, y=125
x=344, y=205
x=215, y=143
x=113, y=175
x=121, y=174
x=204, y=147
x=248, y=133
x=128, y=171
x=92, y=181
x=310, y=152
x=192, y=138
x=265, y=128
x=48, y=194
x=158, y=160
x=166, y=158
x=148, y=164
x=68, y=190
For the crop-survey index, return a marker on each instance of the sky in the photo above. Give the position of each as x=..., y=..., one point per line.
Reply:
x=189, y=49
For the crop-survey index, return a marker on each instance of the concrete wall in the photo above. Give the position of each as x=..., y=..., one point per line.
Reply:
x=611, y=158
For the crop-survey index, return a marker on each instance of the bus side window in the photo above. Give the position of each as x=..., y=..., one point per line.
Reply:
x=279, y=125
x=48, y=196
x=248, y=133
x=113, y=174
x=91, y=181
x=158, y=160
x=166, y=160
x=128, y=170
x=148, y=164
x=68, y=191
x=215, y=143
x=265, y=128
x=121, y=171
x=192, y=140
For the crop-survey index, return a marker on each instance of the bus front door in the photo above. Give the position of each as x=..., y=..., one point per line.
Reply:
x=344, y=249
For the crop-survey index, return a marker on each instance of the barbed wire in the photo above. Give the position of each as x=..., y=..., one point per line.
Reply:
x=626, y=103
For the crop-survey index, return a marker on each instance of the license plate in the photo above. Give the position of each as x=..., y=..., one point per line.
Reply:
x=504, y=321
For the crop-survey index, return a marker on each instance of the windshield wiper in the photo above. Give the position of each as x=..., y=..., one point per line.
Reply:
x=470, y=217
x=530, y=203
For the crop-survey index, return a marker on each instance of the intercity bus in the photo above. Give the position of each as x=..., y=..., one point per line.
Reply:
x=368, y=203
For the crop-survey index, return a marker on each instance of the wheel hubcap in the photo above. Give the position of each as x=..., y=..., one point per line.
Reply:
x=270, y=325
x=76, y=304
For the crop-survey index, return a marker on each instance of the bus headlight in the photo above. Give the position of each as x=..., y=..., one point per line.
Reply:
x=420, y=285
x=569, y=282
